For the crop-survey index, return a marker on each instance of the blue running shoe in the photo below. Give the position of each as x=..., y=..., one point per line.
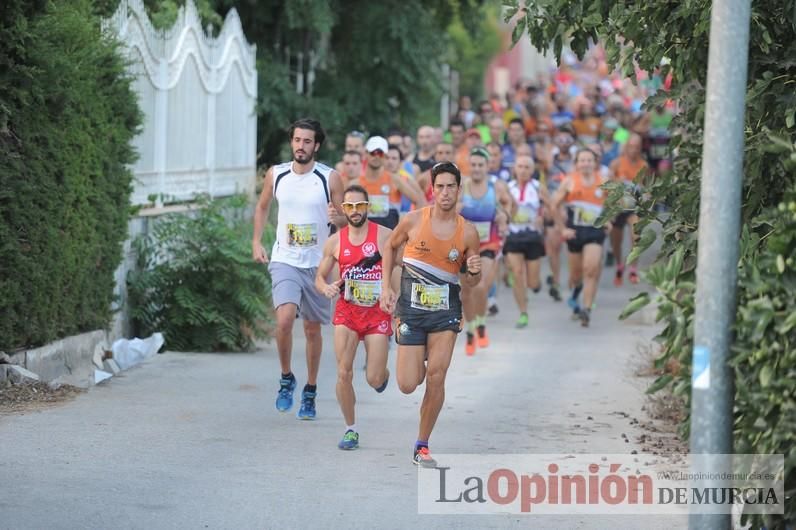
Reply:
x=284, y=399
x=307, y=410
x=350, y=441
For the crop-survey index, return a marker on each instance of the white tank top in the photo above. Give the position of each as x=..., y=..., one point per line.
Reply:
x=528, y=203
x=303, y=223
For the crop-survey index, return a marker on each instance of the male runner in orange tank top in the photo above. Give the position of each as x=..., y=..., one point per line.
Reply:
x=439, y=243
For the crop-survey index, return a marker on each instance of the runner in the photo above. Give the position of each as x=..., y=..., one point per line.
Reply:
x=354, y=141
x=442, y=153
x=411, y=194
x=357, y=251
x=439, y=242
x=525, y=244
x=584, y=202
x=630, y=169
x=352, y=167
x=384, y=188
x=309, y=194
x=485, y=204
x=424, y=158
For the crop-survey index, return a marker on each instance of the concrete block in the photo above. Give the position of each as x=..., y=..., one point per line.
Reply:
x=71, y=357
x=18, y=375
x=109, y=365
x=3, y=372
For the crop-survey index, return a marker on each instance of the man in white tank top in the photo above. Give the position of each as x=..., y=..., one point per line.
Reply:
x=309, y=195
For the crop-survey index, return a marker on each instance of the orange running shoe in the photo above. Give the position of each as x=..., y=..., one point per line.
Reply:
x=469, y=348
x=483, y=338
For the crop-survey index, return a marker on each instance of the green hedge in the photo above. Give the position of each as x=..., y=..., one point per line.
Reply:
x=67, y=115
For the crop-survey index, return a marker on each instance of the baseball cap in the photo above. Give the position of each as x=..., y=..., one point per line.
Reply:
x=376, y=143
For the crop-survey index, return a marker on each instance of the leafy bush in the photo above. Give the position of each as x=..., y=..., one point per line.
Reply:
x=196, y=281
x=67, y=115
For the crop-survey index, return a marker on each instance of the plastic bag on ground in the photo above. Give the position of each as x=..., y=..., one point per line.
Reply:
x=129, y=352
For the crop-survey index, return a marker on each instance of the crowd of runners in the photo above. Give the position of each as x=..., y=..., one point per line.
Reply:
x=408, y=236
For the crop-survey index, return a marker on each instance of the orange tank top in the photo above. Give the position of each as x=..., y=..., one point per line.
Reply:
x=582, y=193
x=380, y=187
x=442, y=258
x=628, y=170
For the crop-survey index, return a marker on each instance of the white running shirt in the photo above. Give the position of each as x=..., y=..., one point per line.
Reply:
x=528, y=203
x=302, y=223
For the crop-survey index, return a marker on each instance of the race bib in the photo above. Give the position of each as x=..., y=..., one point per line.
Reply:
x=379, y=206
x=363, y=293
x=523, y=215
x=584, y=217
x=302, y=235
x=484, y=229
x=659, y=151
x=430, y=297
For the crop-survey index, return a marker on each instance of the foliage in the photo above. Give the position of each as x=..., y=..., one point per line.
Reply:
x=365, y=65
x=196, y=281
x=67, y=115
x=471, y=50
x=764, y=336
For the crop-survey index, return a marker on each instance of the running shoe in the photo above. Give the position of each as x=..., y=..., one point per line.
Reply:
x=522, y=322
x=585, y=317
x=493, y=310
x=284, y=399
x=618, y=277
x=633, y=276
x=423, y=458
x=469, y=348
x=554, y=293
x=483, y=338
x=307, y=410
x=350, y=441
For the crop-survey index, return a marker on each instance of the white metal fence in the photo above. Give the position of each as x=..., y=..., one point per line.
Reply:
x=198, y=94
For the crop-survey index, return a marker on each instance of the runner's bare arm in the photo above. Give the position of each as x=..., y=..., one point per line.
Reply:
x=261, y=210
x=505, y=198
x=411, y=190
x=397, y=238
x=383, y=237
x=336, y=191
x=423, y=180
x=472, y=256
x=559, y=214
x=328, y=260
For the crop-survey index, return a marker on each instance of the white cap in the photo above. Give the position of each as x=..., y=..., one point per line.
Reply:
x=376, y=143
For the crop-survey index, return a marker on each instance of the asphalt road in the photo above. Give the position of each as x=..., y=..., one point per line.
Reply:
x=194, y=441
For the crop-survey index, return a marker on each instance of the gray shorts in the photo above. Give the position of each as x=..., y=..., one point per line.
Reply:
x=293, y=285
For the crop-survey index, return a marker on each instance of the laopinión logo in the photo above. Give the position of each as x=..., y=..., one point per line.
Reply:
x=598, y=484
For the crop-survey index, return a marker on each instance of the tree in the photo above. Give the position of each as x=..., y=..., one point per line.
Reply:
x=352, y=64
x=764, y=353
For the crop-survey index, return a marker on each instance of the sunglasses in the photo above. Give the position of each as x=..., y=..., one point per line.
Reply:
x=377, y=153
x=359, y=206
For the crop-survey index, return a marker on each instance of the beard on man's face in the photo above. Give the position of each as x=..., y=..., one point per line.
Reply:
x=302, y=157
x=360, y=219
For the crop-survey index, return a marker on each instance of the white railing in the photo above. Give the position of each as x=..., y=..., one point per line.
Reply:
x=198, y=95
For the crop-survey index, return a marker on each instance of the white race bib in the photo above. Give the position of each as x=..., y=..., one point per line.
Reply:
x=484, y=229
x=363, y=293
x=379, y=205
x=523, y=215
x=430, y=297
x=584, y=217
x=302, y=235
